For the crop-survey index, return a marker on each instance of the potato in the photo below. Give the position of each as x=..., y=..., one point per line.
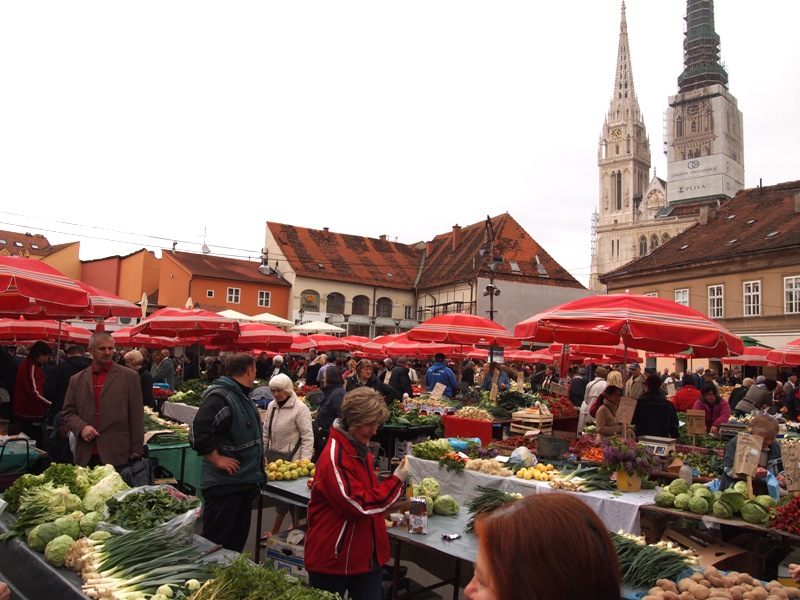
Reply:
x=700, y=592
x=742, y=578
x=736, y=593
x=720, y=593
x=651, y=597
x=686, y=596
x=655, y=591
x=697, y=577
x=711, y=571
x=716, y=581
x=684, y=584
x=670, y=595
x=667, y=585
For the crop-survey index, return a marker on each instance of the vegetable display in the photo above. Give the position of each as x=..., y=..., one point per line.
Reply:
x=432, y=449
x=474, y=413
x=641, y=564
x=541, y=472
x=488, y=466
x=582, y=479
x=452, y=461
x=786, y=516
x=712, y=583
x=148, y=508
x=489, y=500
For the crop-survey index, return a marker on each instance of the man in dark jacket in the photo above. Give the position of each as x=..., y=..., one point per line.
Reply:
x=55, y=390
x=441, y=373
x=577, y=387
x=399, y=379
x=654, y=414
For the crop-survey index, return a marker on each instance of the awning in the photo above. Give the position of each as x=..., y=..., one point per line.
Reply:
x=358, y=320
x=336, y=318
x=385, y=322
x=408, y=323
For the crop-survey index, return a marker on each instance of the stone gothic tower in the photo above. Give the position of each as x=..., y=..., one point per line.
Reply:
x=624, y=159
x=705, y=138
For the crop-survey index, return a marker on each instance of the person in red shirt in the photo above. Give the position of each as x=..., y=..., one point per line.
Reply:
x=685, y=397
x=29, y=403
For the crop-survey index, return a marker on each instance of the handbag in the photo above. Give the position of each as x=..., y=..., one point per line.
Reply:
x=275, y=455
x=138, y=473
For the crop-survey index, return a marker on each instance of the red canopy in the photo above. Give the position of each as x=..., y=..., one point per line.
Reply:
x=188, y=324
x=21, y=330
x=33, y=289
x=123, y=337
x=754, y=356
x=327, y=343
x=356, y=342
x=463, y=328
x=641, y=322
x=787, y=354
x=607, y=353
x=105, y=304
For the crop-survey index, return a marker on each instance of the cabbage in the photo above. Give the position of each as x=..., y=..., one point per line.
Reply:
x=429, y=501
x=682, y=501
x=68, y=526
x=95, y=498
x=429, y=487
x=89, y=522
x=99, y=535
x=733, y=499
x=765, y=501
x=698, y=506
x=522, y=455
x=704, y=492
x=95, y=474
x=717, y=495
x=445, y=505
x=56, y=550
x=741, y=487
x=721, y=510
x=696, y=486
x=678, y=486
x=40, y=535
x=665, y=498
x=752, y=512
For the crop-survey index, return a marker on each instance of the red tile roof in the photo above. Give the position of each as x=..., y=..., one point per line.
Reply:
x=448, y=264
x=217, y=267
x=755, y=221
x=323, y=254
x=17, y=244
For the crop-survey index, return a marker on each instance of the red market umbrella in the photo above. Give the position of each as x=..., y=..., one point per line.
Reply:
x=607, y=353
x=123, y=337
x=327, y=343
x=641, y=322
x=463, y=328
x=188, y=324
x=21, y=330
x=754, y=356
x=356, y=341
x=301, y=344
x=105, y=304
x=31, y=288
x=261, y=335
x=787, y=354
x=374, y=348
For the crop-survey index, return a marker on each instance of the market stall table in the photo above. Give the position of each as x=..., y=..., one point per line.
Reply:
x=179, y=411
x=487, y=431
x=389, y=435
x=180, y=460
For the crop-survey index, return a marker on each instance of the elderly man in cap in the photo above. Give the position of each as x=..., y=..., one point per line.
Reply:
x=399, y=378
x=577, y=387
x=635, y=386
x=439, y=372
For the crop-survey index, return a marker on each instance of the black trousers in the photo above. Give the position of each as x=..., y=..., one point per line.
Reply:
x=226, y=519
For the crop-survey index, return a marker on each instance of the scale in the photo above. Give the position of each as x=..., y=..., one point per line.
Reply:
x=660, y=446
x=729, y=431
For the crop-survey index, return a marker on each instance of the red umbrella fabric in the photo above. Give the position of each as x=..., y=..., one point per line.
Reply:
x=29, y=287
x=124, y=337
x=188, y=324
x=327, y=343
x=301, y=344
x=754, y=356
x=463, y=328
x=105, y=304
x=787, y=354
x=641, y=322
x=611, y=353
x=21, y=330
x=261, y=335
x=356, y=342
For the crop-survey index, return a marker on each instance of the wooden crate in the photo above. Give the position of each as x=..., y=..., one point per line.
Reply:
x=523, y=421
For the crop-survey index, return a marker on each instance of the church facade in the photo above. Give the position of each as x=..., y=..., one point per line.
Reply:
x=637, y=213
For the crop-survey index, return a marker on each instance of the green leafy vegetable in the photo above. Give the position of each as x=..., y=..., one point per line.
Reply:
x=56, y=550
x=147, y=509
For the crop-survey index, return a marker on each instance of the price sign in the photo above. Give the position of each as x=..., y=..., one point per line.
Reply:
x=696, y=422
x=521, y=380
x=387, y=377
x=791, y=465
x=558, y=389
x=625, y=411
x=748, y=451
x=438, y=390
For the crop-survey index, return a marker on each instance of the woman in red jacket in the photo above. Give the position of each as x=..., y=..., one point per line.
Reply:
x=347, y=543
x=29, y=402
x=685, y=397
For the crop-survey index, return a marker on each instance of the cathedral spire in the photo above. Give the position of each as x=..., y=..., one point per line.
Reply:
x=701, y=63
x=624, y=103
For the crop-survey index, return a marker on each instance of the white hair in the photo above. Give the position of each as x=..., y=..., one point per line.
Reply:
x=282, y=382
x=277, y=359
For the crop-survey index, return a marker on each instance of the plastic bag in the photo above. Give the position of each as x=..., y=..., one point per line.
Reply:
x=773, y=487
x=181, y=526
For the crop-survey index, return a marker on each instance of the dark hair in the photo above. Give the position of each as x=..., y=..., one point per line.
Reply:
x=39, y=349
x=611, y=389
x=439, y=357
x=237, y=364
x=75, y=350
x=710, y=387
x=332, y=376
x=653, y=383
x=770, y=384
x=531, y=531
x=687, y=379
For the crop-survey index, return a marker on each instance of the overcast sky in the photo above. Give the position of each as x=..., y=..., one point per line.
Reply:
x=145, y=122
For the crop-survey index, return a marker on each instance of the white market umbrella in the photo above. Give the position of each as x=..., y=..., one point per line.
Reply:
x=317, y=327
x=270, y=319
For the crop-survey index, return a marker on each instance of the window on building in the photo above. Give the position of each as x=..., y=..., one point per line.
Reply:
x=651, y=294
x=642, y=246
x=682, y=297
x=263, y=298
x=653, y=242
x=3, y=241
x=716, y=299
x=361, y=305
x=209, y=293
x=618, y=189
x=335, y=305
x=408, y=312
x=752, y=298
x=35, y=246
x=791, y=295
x=383, y=307
x=18, y=244
x=664, y=238
x=234, y=294
x=514, y=266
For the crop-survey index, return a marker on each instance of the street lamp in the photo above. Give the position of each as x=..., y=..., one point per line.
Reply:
x=301, y=313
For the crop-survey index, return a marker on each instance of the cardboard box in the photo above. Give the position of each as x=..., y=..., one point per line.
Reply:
x=710, y=551
x=783, y=569
x=287, y=556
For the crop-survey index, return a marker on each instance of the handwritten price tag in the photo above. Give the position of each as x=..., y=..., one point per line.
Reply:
x=791, y=464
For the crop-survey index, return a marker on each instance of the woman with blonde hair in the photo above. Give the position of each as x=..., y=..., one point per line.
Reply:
x=135, y=360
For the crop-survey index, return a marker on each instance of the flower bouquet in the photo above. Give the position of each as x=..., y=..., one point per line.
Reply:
x=631, y=462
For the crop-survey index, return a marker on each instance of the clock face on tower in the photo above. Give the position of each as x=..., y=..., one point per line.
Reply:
x=616, y=134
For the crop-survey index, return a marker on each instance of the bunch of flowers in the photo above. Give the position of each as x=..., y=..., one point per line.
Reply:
x=626, y=455
x=475, y=450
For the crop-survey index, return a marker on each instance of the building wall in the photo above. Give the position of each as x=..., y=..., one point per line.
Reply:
x=103, y=273
x=323, y=287
x=139, y=273
x=66, y=260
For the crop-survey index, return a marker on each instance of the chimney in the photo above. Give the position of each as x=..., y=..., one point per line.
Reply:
x=382, y=237
x=797, y=202
x=456, y=237
x=325, y=231
x=704, y=217
x=428, y=248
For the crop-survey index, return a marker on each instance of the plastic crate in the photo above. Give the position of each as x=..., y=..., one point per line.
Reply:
x=551, y=447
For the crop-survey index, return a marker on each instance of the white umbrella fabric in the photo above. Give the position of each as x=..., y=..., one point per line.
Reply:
x=317, y=327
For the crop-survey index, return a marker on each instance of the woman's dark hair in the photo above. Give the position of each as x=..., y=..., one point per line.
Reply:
x=653, y=383
x=611, y=389
x=332, y=376
x=687, y=379
x=531, y=532
x=41, y=348
x=710, y=387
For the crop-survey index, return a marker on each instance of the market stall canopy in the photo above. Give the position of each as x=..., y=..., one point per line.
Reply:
x=640, y=322
x=235, y=315
x=300, y=344
x=261, y=335
x=463, y=328
x=604, y=353
x=271, y=319
x=123, y=337
x=755, y=356
x=22, y=330
x=105, y=304
x=33, y=289
x=356, y=342
x=317, y=327
x=328, y=343
x=787, y=354
x=188, y=324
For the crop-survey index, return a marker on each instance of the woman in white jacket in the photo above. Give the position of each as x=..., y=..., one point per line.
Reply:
x=288, y=430
x=593, y=389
